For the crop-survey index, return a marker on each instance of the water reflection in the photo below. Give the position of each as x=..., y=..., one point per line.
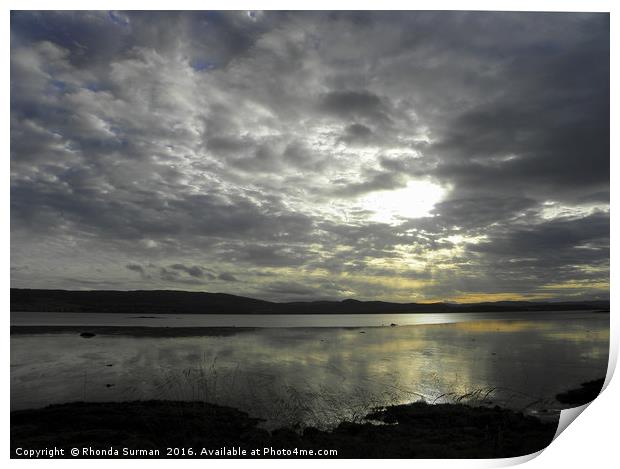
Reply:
x=319, y=376
x=278, y=320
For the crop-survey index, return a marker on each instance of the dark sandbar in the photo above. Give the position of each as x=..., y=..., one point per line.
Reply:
x=132, y=331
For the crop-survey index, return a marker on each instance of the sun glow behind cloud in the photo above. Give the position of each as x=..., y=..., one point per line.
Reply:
x=416, y=200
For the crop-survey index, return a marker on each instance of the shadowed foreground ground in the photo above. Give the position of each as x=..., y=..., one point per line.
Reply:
x=586, y=393
x=415, y=430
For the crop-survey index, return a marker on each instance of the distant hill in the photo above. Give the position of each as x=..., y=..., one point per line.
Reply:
x=182, y=302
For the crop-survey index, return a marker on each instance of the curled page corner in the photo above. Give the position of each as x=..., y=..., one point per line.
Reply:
x=517, y=460
x=567, y=416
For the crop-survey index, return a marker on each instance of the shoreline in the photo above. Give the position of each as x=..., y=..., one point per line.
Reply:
x=416, y=430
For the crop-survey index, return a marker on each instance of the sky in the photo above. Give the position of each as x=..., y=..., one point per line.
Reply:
x=296, y=156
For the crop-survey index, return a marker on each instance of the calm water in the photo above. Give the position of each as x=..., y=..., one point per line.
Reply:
x=288, y=371
x=275, y=320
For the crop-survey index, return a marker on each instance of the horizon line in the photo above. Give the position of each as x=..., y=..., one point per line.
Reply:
x=446, y=302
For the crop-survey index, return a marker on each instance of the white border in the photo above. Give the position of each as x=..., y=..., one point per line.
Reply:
x=591, y=442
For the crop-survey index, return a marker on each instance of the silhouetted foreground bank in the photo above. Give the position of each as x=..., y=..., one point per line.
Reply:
x=586, y=393
x=415, y=430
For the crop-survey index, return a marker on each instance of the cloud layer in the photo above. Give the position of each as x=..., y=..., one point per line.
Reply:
x=413, y=156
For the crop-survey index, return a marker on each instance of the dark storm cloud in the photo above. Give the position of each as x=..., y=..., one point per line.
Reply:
x=138, y=214
x=547, y=134
x=478, y=212
x=290, y=288
x=223, y=139
x=358, y=134
x=375, y=181
x=558, y=236
x=226, y=145
x=180, y=273
x=269, y=255
x=349, y=104
x=228, y=277
x=174, y=276
x=194, y=271
x=136, y=268
x=139, y=269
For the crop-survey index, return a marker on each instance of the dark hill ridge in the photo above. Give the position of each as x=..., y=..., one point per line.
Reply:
x=183, y=302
